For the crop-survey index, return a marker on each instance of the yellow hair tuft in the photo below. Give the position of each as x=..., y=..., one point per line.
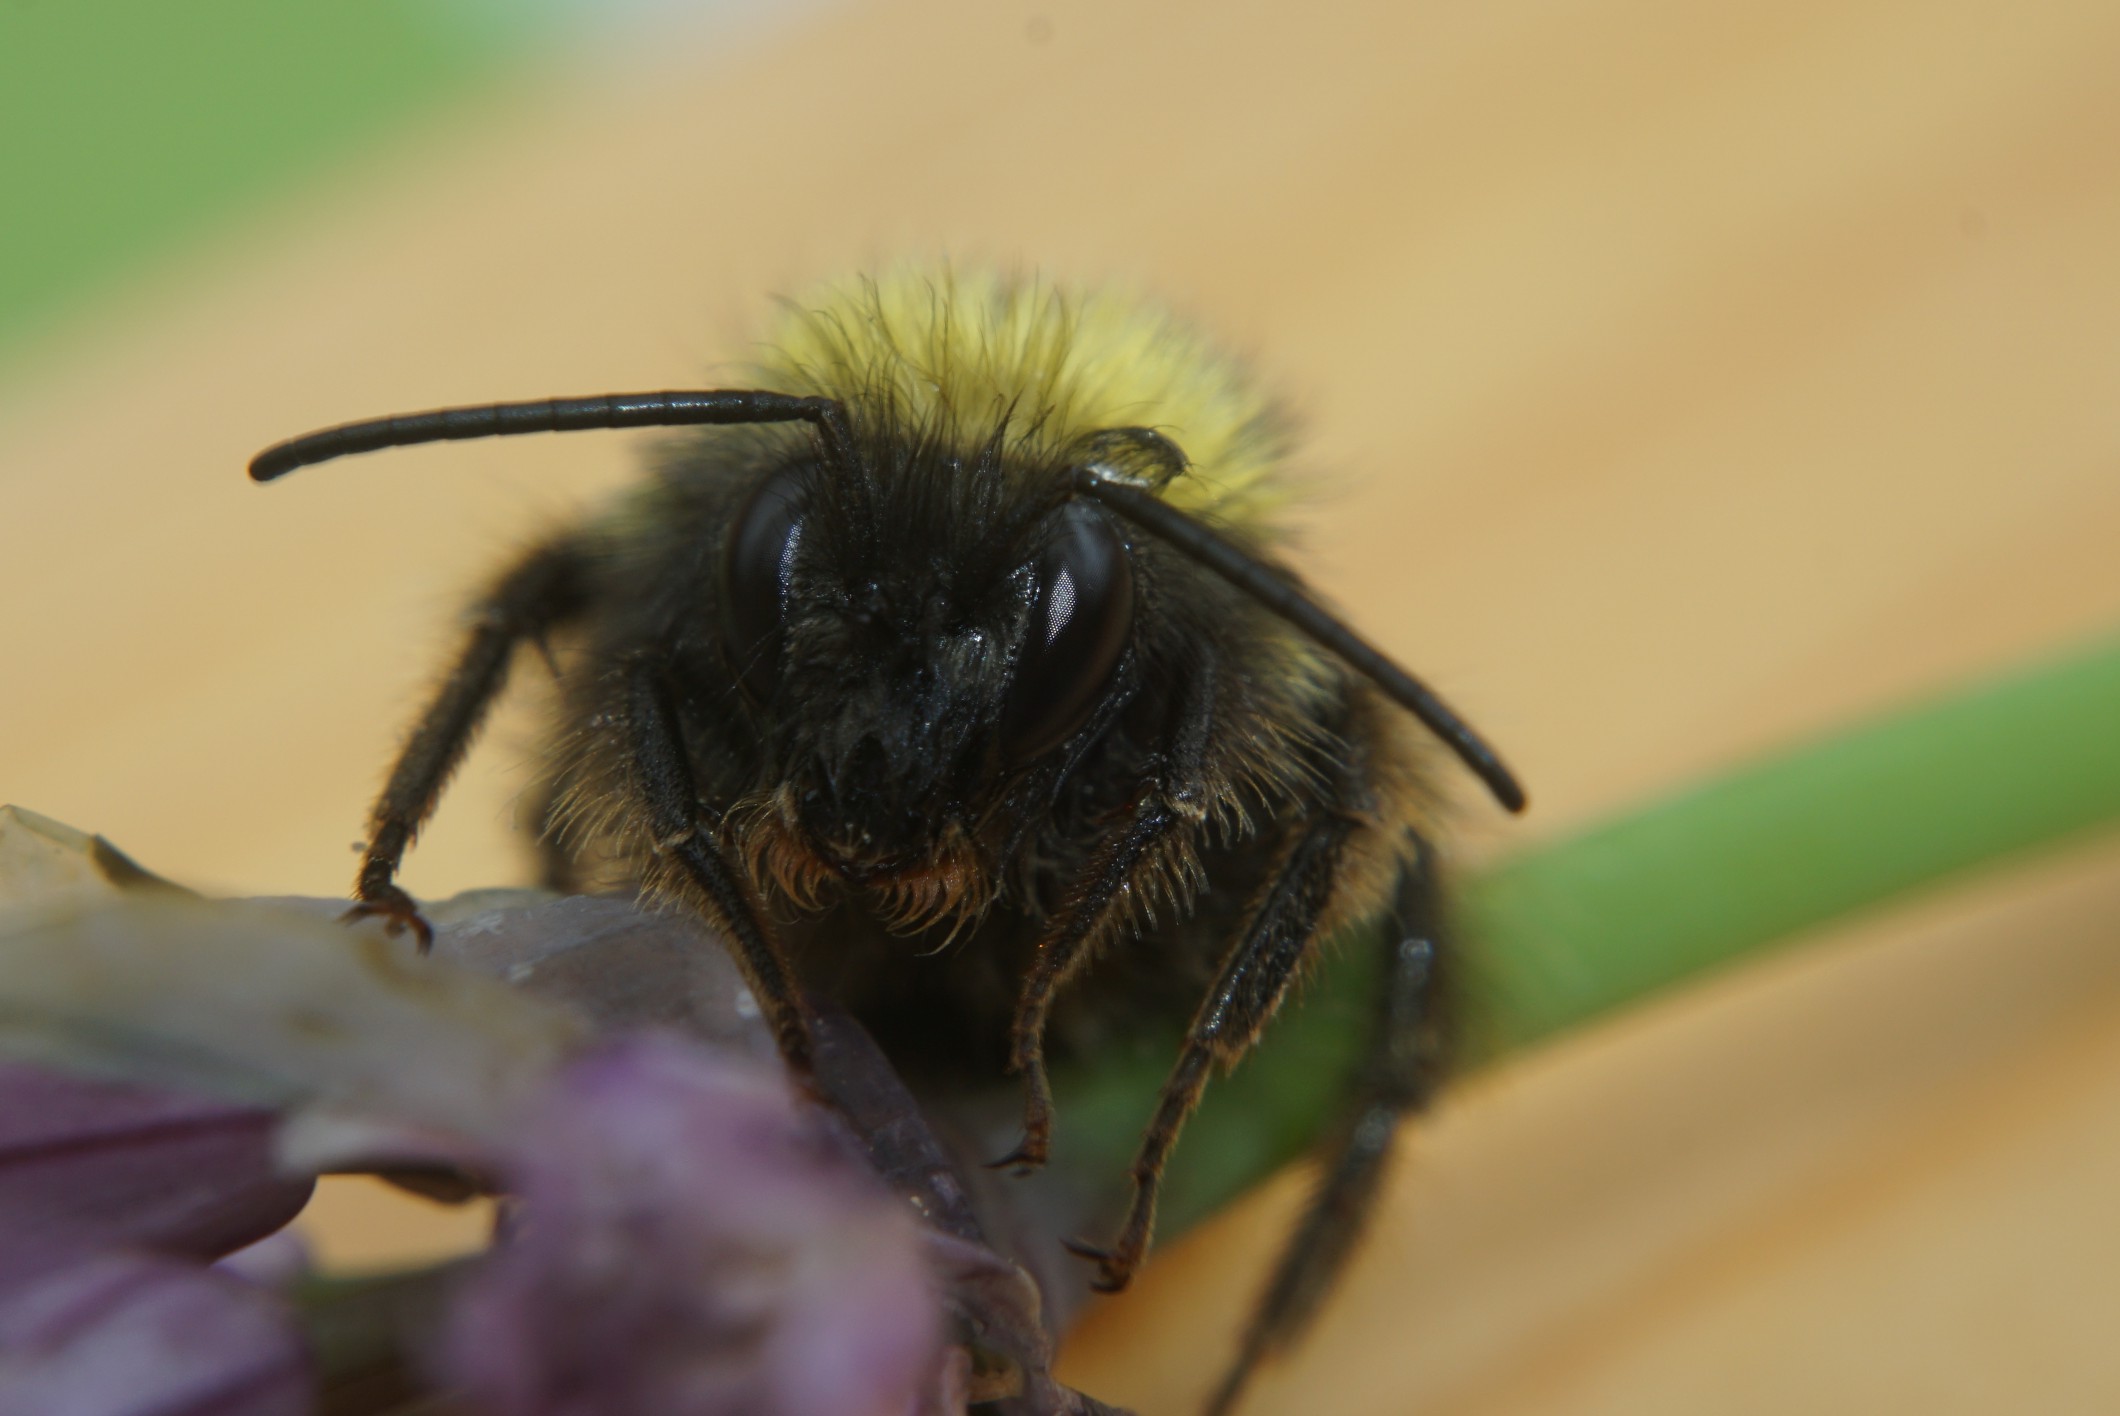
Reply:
x=969, y=351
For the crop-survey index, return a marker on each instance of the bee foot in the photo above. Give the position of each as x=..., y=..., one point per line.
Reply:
x=1026, y=1159
x=399, y=912
x=1113, y=1271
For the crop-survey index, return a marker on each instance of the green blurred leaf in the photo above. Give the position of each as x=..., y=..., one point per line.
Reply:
x=129, y=126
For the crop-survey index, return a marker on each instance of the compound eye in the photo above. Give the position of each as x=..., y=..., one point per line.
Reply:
x=757, y=566
x=1082, y=611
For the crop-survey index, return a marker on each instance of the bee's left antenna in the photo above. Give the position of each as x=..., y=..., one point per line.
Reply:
x=668, y=409
x=1232, y=563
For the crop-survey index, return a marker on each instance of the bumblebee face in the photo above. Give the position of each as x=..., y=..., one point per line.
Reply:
x=912, y=653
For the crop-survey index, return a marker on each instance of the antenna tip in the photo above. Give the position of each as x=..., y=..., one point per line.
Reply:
x=1495, y=775
x=273, y=463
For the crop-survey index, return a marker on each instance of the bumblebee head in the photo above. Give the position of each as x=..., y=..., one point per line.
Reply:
x=912, y=643
x=918, y=625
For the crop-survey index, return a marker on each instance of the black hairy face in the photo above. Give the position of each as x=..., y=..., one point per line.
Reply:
x=915, y=645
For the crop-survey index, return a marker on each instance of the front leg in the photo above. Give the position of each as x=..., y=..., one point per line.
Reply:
x=1254, y=978
x=1169, y=807
x=545, y=588
x=1093, y=911
x=663, y=787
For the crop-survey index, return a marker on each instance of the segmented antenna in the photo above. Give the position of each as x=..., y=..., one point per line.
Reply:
x=1203, y=544
x=671, y=408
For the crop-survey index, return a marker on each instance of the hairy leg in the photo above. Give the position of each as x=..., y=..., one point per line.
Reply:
x=664, y=788
x=542, y=590
x=1406, y=1062
x=1167, y=805
x=1255, y=976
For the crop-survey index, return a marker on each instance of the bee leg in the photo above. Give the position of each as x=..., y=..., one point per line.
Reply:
x=542, y=590
x=1170, y=799
x=1088, y=918
x=664, y=788
x=1254, y=978
x=1406, y=1062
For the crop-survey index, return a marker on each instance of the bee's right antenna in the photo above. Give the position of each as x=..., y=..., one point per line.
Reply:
x=1203, y=544
x=668, y=409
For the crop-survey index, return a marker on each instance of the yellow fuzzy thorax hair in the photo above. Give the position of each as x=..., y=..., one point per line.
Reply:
x=963, y=350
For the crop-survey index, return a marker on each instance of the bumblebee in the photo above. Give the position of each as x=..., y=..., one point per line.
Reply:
x=952, y=673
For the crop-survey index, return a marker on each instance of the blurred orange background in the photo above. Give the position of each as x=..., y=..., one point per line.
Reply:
x=1679, y=381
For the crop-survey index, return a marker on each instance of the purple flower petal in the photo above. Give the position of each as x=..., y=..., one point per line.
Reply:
x=692, y=1242
x=128, y=1335
x=101, y=1165
x=277, y=1261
